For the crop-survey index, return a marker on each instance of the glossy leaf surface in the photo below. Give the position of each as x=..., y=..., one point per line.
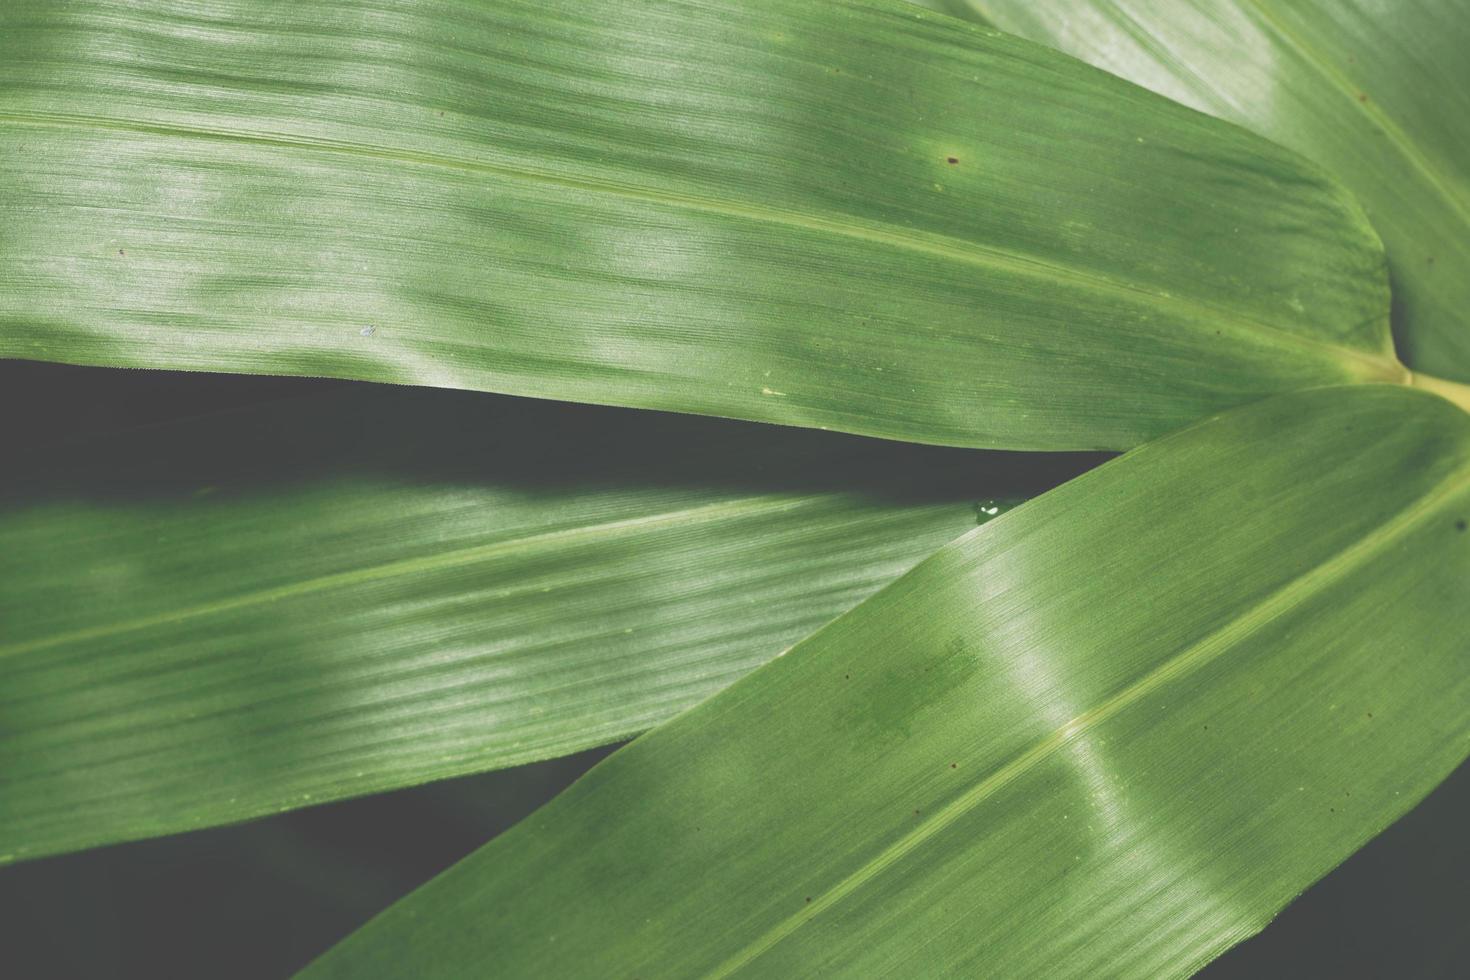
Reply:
x=1099, y=736
x=859, y=216
x=208, y=621
x=1377, y=91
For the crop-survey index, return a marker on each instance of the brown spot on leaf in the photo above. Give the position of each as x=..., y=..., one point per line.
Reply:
x=951, y=160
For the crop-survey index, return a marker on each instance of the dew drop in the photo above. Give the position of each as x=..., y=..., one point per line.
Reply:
x=986, y=509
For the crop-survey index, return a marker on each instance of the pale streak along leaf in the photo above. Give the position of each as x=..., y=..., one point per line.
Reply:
x=208, y=621
x=1377, y=91
x=1100, y=736
x=847, y=215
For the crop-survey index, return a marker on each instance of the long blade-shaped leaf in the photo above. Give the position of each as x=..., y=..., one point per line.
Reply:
x=209, y=621
x=1378, y=93
x=1097, y=737
x=858, y=216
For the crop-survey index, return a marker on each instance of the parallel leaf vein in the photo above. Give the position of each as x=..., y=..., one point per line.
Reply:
x=1370, y=107
x=442, y=561
x=1368, y=365
x=1181, y=664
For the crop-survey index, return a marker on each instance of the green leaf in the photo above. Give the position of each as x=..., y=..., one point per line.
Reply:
x=856, y=216
x=326, y=597
x=1100, y=736
x=1376, y=92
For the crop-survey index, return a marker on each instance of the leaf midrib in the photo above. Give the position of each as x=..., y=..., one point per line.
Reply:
x=1364, y=364
x=1193, y=657
x=1339, y=80
x=455, y=558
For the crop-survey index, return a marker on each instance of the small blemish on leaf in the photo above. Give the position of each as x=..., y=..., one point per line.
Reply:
x=1460, y=525
x=368, y=331
x=951, y=160
x=1362, y=96
x=954, y=765
x=121, y=252
x=809, y=900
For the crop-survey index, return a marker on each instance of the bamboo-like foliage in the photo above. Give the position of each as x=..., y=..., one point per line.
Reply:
x=1095, y=737
x=1111, y=732
x=1375, y=92
x=332, y=596
x=840, y=215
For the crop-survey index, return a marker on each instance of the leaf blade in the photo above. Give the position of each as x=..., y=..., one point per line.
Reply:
x=1091, y=737
x=1371, y=91
x=330, y=190
x=223, y=618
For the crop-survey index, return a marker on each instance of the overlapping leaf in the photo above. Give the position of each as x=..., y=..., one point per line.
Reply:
x=860, y=216
x=1377, y=92
x=208, y=621
x=1100, y=736
x=1117, y=717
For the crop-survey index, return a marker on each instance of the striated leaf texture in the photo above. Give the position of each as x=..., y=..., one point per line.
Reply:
x=208, y=621
x=1100, y=736
x=858, y=216
x=1377, y=91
